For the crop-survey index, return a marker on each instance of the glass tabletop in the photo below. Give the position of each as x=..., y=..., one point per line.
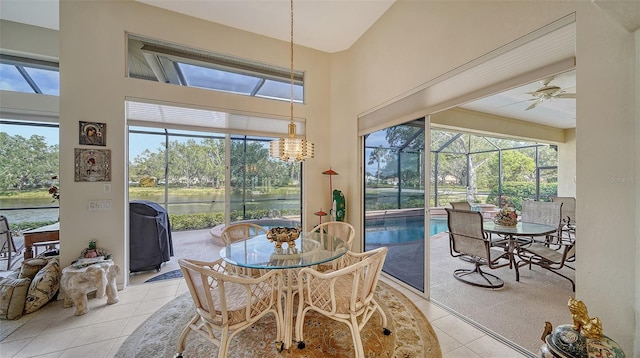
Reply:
x=522, y=228
x=309, y=249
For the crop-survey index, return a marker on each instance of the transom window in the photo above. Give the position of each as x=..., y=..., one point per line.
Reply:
x=27, y=75
x=170, y=63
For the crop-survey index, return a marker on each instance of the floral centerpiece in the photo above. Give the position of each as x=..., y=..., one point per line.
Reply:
x=507, y=216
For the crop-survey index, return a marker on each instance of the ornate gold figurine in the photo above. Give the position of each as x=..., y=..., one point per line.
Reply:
x=281, y=235
x=584, y=338
x=589, y=327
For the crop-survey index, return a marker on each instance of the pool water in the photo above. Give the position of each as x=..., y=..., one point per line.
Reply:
x=402, y=231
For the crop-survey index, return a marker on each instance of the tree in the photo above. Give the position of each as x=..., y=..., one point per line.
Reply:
x=26, y=163
x=148, y=164
x=187, y=162
x=516, y=166
x=377, y=156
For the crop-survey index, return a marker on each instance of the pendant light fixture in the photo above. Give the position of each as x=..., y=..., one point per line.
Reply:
x=291, y=149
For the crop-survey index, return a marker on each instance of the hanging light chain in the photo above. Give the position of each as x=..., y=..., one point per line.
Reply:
x=291, y=149
x=291, y=64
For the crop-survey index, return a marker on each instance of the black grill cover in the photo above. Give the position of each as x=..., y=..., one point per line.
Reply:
x=150, y=240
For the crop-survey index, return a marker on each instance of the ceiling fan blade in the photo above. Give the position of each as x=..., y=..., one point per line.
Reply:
x=534, y=104
x=511, y=104
x=566, y=95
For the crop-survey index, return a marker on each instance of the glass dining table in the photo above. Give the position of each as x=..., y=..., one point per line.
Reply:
x=307, y=250
x=510, y=233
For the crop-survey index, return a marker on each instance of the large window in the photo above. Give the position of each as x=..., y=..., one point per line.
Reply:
x=186, y=172
x=29, y=157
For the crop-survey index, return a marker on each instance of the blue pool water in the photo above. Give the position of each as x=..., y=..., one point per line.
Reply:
x=402, y=231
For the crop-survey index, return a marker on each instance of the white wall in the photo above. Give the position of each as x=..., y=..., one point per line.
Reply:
x=413, y=43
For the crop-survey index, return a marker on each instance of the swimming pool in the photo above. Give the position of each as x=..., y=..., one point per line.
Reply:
x=402, y=230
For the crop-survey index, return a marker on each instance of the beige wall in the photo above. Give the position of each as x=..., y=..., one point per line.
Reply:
x=567, y=164
x=413, y=44
x=94, y=87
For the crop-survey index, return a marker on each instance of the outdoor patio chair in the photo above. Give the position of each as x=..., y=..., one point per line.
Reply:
x=542, y=212
x=548, y=258
x=9, y=249
x=568, y=214
x=468, y=240
x=226, y=303
x=345, y=295
x=341, y=229
x=460, y=205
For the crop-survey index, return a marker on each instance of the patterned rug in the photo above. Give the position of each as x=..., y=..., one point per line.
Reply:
x=412, y=336
x=166, y=276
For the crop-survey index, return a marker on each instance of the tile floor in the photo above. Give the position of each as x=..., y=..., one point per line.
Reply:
x=54, y=331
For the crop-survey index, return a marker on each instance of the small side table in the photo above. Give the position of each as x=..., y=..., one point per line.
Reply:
x=76, y=283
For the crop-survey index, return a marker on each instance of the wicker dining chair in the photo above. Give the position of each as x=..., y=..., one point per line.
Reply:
x=468, y=240
x=241, y=231
x=345, y=295
x=8, y=247
x=228, y=303
x=340, y=229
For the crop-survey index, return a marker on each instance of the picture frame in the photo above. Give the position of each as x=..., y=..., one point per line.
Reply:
x=92, y=165
x=92, y=133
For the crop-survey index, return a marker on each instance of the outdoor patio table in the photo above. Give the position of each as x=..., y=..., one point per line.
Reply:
x=259, y=253
x=511, y=232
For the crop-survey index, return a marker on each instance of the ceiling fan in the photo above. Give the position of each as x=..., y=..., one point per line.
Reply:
x=547, y=92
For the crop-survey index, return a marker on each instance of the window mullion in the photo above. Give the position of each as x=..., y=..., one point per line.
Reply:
x=29, y=80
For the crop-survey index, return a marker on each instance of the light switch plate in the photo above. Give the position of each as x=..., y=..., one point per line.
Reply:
x=99, y=205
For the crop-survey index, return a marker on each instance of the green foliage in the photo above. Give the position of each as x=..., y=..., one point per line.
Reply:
x=26, y=162
x=18, y=228
x=516, y=192
x=180, y=222
x=516, y=166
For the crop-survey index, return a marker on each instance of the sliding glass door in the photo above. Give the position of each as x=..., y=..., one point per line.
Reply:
x=395, y=199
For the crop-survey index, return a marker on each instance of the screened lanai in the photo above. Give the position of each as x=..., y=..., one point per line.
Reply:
x=486, y=171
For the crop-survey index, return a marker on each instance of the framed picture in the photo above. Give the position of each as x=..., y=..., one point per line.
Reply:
x=92, y=164
x=93, y=133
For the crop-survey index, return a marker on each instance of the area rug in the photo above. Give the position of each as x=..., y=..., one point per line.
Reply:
x=412, y=335
x=166, y=276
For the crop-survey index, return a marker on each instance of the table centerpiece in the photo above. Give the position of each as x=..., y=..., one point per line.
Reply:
x=506, y=217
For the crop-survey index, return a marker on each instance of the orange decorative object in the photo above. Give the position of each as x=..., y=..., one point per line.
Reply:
x=330, y=172
x=320, y=214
